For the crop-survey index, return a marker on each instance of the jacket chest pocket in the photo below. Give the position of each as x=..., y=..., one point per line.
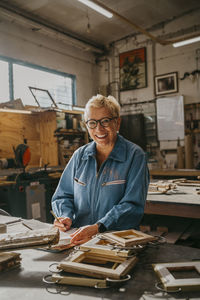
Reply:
x=114, y=182
x=81, y=183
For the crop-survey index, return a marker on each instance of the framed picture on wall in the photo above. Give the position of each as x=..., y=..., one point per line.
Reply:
x=133, y=69
x=166, y=83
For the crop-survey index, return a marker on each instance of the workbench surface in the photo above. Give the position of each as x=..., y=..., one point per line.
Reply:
x=184, y=203
x=186, y=173
x=26, y=282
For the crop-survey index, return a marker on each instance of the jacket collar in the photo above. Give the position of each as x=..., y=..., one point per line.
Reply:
x=118, y=153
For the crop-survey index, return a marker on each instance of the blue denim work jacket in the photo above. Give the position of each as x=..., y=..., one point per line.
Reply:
x=114, y=196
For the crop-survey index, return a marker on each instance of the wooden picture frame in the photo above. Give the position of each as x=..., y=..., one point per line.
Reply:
x=88, y=264
x=133, y=69
x=170, y=283
x=128, y=237
x=106, y=248
x=166, y=84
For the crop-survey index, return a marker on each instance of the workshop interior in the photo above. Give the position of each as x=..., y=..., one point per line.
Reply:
x=56, y=55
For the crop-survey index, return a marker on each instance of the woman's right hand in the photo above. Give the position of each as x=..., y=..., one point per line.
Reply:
x=63, y=224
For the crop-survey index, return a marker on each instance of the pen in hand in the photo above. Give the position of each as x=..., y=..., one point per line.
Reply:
x=63, y=223
x=56, y=218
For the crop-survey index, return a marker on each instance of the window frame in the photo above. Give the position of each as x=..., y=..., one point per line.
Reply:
x=12, y=61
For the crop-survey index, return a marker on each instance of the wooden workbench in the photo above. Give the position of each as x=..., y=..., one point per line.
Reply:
x=174, y=173
x=184, y=203
x=26, y=282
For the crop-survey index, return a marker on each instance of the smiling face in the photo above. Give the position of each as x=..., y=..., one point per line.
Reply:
x=103, y=136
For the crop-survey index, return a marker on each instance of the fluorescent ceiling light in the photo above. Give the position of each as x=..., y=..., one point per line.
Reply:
x=96, y=7
x=187, y=42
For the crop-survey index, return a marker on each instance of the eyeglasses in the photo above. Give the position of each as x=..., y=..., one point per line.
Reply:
x=104, y=122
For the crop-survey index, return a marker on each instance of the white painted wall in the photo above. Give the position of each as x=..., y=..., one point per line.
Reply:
x=29, y=46
x=160, y=60
x=182, y=59
x=167, y=59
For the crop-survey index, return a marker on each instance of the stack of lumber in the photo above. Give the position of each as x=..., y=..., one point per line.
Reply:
x=29, y=238
x=9, y=260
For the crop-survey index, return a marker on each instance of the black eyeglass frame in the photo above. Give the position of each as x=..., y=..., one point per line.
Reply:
x=99, y=121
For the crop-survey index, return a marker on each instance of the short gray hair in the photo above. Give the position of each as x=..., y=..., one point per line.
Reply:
x=99, y=101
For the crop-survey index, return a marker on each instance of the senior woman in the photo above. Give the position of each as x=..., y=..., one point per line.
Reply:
x=105, y=183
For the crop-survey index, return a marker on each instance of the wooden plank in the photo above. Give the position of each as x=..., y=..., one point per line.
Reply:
x=19, y=124
x=48, y=143
x=77, y=280
x=171, y=209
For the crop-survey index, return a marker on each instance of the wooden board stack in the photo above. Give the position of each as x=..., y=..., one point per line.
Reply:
x=29, y=238
x=9, y=260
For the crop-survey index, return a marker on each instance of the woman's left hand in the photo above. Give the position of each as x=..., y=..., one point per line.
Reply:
x=84, y=234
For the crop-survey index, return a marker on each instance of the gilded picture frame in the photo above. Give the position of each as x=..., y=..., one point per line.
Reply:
x=133, y=69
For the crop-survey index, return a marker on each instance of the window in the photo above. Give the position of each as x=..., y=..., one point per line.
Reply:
x=22, y=76
x=4, y=81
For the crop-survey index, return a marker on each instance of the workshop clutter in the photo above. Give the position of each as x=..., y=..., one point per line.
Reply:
x=70, y=133
x=168, y=199
x=171, y=186
x=66, y=149
x=9, y=260
x=161, y=186
x=103, y=261
x=67, y=121
x=30, y=238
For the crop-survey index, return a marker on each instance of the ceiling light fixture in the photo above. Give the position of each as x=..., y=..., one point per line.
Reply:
x=186, y=42
x=96, y=7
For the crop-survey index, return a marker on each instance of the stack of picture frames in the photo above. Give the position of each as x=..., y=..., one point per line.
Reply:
x=103, y=261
